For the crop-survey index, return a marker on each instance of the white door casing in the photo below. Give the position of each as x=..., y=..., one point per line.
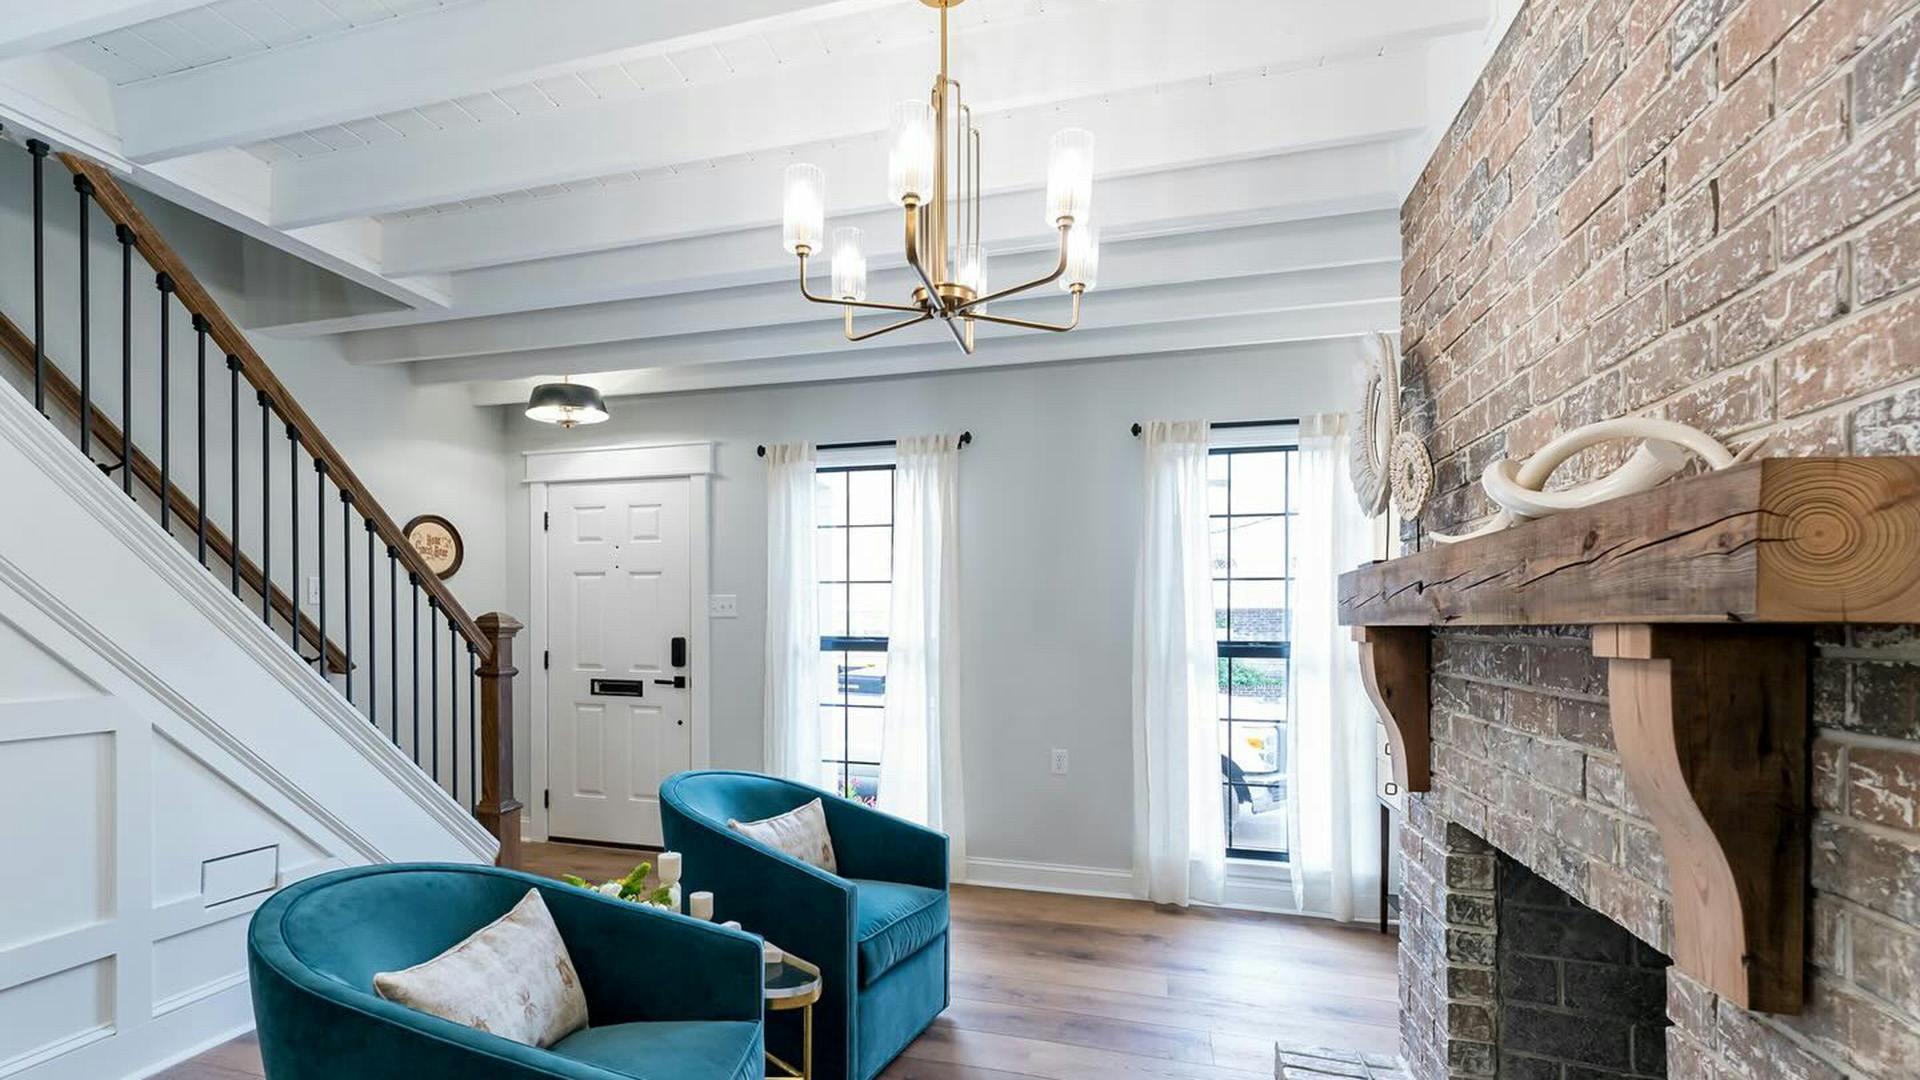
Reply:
x=619, y=593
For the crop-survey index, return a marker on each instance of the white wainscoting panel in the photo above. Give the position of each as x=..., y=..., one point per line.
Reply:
x=165, y=764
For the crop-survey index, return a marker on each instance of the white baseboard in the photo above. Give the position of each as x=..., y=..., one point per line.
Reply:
x=1050, y=877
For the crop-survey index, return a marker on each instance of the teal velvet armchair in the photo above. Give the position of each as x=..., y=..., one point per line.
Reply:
x=668, y=997
x=877, y=931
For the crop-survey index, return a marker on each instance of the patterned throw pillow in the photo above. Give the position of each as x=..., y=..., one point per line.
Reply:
x=512, y=978
x=800, y=832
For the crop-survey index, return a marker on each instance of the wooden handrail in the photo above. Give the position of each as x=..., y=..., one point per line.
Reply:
x=15, y=343
x=121, y=210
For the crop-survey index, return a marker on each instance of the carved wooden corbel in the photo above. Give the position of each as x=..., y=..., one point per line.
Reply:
x=1711, y=722
x=1394, y=667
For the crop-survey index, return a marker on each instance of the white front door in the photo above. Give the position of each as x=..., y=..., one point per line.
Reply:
x=620, y=613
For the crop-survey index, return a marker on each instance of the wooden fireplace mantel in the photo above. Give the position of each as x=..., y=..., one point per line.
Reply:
x=1702, y=595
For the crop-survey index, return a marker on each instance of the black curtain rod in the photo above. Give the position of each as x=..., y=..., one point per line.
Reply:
x=1228, y=425
x=966, y=437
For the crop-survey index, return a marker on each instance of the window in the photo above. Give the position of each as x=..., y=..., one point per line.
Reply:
x=855, y=553
x=1250, y=505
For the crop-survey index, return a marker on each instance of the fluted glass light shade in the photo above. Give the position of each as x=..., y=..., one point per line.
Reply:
x=849, y=264
x=910, y=152
x=1069, y=175
x=806, y=208
x=971, y=268
x=1083, y=257
x=567, y=404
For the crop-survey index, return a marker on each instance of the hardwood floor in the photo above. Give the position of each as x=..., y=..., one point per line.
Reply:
x=1063, y=987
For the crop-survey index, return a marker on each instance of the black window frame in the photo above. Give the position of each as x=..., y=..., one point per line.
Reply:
x=846, y=644
x=1227, y=648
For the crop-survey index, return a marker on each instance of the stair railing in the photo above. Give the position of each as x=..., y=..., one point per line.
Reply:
x=257, y=401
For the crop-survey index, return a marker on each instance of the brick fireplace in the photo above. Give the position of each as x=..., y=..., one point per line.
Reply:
x=1708, y=211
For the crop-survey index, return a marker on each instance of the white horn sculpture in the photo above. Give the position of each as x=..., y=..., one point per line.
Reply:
x=1518, y=488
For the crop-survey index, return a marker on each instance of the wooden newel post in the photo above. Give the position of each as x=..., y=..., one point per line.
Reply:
x=497, y=809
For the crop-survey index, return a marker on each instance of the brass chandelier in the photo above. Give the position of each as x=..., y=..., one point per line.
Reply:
x=933, y=173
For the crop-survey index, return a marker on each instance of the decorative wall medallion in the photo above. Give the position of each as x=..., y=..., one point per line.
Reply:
x=438, y=542
x=1519, y=487
x=1372, y=426
x=1412, y=475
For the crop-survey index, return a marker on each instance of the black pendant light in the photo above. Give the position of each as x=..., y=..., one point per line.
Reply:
x=566, y=403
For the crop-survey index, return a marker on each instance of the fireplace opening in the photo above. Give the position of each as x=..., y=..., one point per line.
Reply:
x=1579, y=997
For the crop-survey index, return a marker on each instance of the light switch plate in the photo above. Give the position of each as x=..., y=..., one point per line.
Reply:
x=1058, y=764
x=723, y=606
x=313, y=590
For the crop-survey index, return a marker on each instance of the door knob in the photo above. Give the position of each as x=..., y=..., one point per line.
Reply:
x=678, y=682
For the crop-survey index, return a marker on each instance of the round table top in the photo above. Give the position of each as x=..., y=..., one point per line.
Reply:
x=791, y=983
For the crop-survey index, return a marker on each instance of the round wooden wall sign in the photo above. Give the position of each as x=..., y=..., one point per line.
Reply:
x=438, y=542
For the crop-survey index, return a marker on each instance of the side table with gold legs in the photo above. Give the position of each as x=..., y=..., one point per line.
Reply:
x=792, y=983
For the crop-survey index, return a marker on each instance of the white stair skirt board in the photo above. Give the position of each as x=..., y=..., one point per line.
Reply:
x=165, y=763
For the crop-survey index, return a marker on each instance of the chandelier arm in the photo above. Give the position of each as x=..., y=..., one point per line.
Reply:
x=1010, y=290
x=936, y=306
x=1027, y=324
x=875, y=305
x=913, y=259
x=887, y=329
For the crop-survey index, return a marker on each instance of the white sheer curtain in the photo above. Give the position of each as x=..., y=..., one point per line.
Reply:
x=1334, y=841
x=920, y=759
x=1179, y=825
x=793, y=615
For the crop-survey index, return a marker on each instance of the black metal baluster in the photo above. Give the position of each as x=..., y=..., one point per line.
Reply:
x=85, y=187
x=373, y=638
x=233, y=464
x=200, y=328
x=266, y=508
x=320, y=550
x=39, y=151
x=346, y=585
x=473, y=724
x=453, y=704
x=165, y=284
x=413, y=662
x=433, y=685
x=126, y=238
x=393, y=644
x=294, y=589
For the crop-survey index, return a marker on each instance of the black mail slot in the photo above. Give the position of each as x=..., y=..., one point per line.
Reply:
x=619, y=687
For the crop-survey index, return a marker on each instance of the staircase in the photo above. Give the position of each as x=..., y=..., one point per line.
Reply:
x=437, y=684
x=222, y=666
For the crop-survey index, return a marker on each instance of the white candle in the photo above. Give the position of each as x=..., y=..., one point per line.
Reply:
x=669, y=867
x=700, y=905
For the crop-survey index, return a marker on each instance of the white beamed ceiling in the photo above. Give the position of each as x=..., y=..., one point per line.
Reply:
x=522, y=189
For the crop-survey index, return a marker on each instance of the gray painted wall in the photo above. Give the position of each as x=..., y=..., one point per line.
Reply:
x=1049, y=515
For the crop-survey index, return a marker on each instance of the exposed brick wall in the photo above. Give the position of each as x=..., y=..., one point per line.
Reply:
x=1705, y=210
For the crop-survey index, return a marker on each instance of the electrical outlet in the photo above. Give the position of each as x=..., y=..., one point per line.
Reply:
x=1059, y=763
x=723, y=606
x=313, y=590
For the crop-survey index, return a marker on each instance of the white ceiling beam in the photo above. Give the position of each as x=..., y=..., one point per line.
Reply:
x=31, y=26
x=1022, y=70
x=434, y=56
x=1286, y=249
x=51, y=96
x=1189, y=303
x=707, y=201
x=854, y=362
x=1341, y=180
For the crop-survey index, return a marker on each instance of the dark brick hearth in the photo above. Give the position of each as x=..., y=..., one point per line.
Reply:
x=1577, y=994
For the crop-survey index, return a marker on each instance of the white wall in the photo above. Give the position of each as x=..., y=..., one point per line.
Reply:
x=1049, y=520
